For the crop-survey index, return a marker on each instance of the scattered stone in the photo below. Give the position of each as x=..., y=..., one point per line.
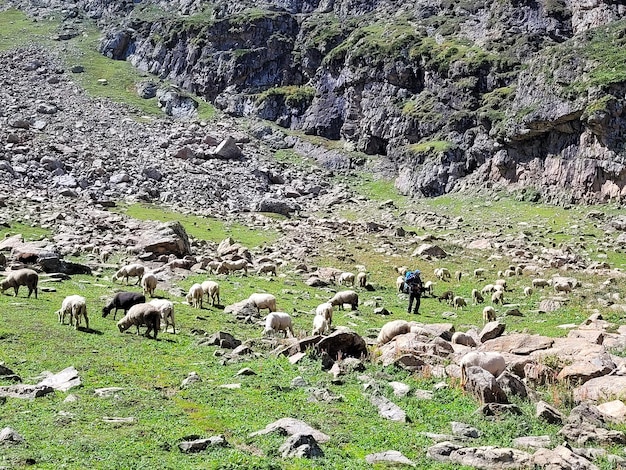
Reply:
x=25, y=391
x=191, y=378
x=480, y=457
x=107, y=392
x=228, y=149
x=532, y=442
x=491, y=330
x=245, y=371
x=221, y=339
x=117, y=420
x=560, y=458
x=301, y=445
x=400, y=389
x=392, y=457
x=292, y=426
x=614, y=410
x=10, y=436
x=231, y=386
x=199, y=445
x=63, y=381
x=548, y=413
x=388, y=409
x=299, y=382
x=464, y=430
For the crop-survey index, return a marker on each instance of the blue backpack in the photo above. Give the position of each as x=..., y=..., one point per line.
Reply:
x=412, y=278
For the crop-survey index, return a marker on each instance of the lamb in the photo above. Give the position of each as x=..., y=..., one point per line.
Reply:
x=167, y=312
x=479, y=273
x=325, y=310
x=497, y=297
x=459, y=302
x=489, y=314
x=227, y=267
x=346, y=279
x=428, y=288
x=528, y=291
x=400, y=283
x=392, y=329
x=447, y=296
x=539, y=283
x=212, y=291
x=345, y=297
x=320, y=325
x=21, y=277
x=194, y=296
x=130, y=270
x=76, y=307
x=149, y=284
x=267, y=268
x=477, y=297
x=361, y=279
x=141, y=314
x=492, y=362
x=123, y=301
x=277, y=321
x=260, y=301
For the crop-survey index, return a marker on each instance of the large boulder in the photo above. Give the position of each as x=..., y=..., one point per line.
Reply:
x=602, y=389
x=168, y=238
x=346, y=343
x=427, y=250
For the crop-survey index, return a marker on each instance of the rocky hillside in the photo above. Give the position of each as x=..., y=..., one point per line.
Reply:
x=450, y=94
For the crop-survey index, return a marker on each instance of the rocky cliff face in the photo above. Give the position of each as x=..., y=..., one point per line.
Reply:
x=451, y=94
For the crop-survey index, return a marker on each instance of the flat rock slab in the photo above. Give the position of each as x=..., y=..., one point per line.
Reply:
x=561, y=457
x=292, y=426
x=198, y=445
x=601, y=389
x=107, y=392
x=10, y=436
x=63, y=381
x=393, y=457
x=114, y=419
x=388, y=409
x=25, y=391
x=486, y=457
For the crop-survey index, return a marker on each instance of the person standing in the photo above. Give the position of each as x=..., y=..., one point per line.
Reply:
x=414, y=286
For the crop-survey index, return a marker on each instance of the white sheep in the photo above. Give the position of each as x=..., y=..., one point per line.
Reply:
x=149, y=284
x=346, y=279
x=539, y=282
x=131, y=270
x=489, y=314
x=497, y=297
x=463, y=338
x=479, y=273
x=458, y=275
x=260, y=301
x=392, y=329
x=528, y=291
x=21, y=277
x=400, y=283
x=212, y=291
x=345, y=297
x=277, y=321
x=325, y=310
x=167, y=313
x=227, y=267
x=428, y=288
x=442, y=274
x=361, y=279
x=459, y=302
x=519, y=271
x=509, y=273
x=477, y=297
x=562, y=287
x=194, y=296
x=488, y=289
x=320, y=325
x=492, y=362
x=212, y=266
x=76, y=307
x=500, y=282
x=401, y=270
x=267, y=268
x=141, y=314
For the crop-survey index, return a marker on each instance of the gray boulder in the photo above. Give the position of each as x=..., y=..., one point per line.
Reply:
x=165, y=239
x=301, y=445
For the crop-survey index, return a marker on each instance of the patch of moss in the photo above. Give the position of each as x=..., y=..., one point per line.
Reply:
x=293, y=96
x=599, y=105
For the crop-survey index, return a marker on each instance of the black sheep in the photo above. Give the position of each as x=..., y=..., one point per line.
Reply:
x=123, y=301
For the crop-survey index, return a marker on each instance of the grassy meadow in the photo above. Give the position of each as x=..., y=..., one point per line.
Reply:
x=76, y=435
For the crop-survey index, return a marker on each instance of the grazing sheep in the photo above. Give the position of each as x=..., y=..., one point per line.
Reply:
x=477, y=297
x=227, y=267
x=402, y=270
x=320, y=325
x=267, y=268
x=400, y=283
x=260, y=301
x=463, y=338
x=500, y=282
x=212, y=291
x=489, y=314
x=194, y=296
x=345, y=297
x=509, y=273
x=459, y=302
x=443, y=274
x=540, y=283
x=21, y=277
x=518, y=271
x=392, y=329
x=167, y=313
x=479, y=273
x=528, y=291
x=76, y=307
x=448, y=296
x=141, y=314
x=428, y=288
x=488, y=289
x=492, y=362
x=325, y=310
x=498, y=288
x=149, y=284
x=346, y=279
x=562, y=287
x=132, y=270
x=212, y=266
x=500, y=274
x=458, y=275
x=361, y=279
x=277, y=321
x=123, y=301
x=497, y=297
